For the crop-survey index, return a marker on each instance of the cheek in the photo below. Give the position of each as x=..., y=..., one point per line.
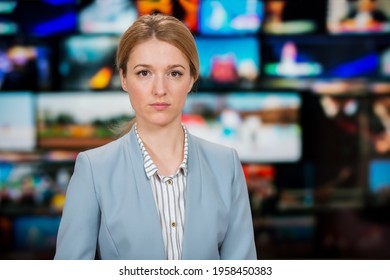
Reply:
x=137, y=95
x=134, y=88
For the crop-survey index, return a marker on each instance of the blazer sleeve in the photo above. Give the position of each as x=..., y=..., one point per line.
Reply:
x=79, y=226
x=239, y=241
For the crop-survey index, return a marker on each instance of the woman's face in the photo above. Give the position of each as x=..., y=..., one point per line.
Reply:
x=158, y=79
x=366, y=5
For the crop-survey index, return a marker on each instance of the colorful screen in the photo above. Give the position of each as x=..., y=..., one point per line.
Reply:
x=379, y=176
x=88, y=63
x=106, y=17
x=358, y=17
x=229, y=61
x=294, y=17
x=379, y=125
x=262, y=127
x=45, y=17
x=17, y=121
x=24, y=66
x=80, y=120
x=184, y=10
x=36, y=233
x=219, y=17
x=313, y=57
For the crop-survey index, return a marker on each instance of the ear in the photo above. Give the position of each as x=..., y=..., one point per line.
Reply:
x=123, y=80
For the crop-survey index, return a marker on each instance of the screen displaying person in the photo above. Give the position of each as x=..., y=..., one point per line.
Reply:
x=360, y=16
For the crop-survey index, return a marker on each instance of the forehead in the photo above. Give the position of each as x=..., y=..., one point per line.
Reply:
x=154, y=51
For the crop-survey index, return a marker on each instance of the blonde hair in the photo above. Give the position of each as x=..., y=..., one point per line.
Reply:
x=164, y=28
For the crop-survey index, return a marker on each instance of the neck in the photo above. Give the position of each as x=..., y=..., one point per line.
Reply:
x=165, y=145
x=164, y=141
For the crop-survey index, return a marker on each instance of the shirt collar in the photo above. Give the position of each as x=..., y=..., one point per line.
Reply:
x=150, y=167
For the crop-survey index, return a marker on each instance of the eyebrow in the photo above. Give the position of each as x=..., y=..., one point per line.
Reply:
x=169, y=66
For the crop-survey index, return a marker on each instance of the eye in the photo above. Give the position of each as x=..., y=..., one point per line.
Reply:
x=176, y=74
x=143, y=73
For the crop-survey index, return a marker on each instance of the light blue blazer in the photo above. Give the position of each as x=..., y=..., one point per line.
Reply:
x=110, y=207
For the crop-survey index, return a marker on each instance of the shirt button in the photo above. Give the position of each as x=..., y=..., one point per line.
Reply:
x=169, y=182
x=173, y=224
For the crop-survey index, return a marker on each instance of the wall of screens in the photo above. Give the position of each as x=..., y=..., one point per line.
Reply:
x=299, y=88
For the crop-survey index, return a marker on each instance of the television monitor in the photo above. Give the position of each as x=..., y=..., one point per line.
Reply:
x=88, y=63
x=219, y=17
x=17, y=121
x=75, y=120
x=45, y=18
x=228, y=61
x=385, y=62
x=24, y=66
x=383, y=49
x=31, y=183
x=379, y=182
x=22, y=183
x=106, y=17
x=8, y=24
x=358, y=16
x=294, y=17
x=261, y=126
x=35, y=233
x=320, y=56
x=379, y=176
x=185, y=10
x=379, y=125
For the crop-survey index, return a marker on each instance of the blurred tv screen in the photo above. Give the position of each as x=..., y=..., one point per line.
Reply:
x=8, y=24
x=35, y=233
x=75, y=120
x=24, y=66
x=312, y=57
x=379, y=177
x=383, y=48
x=358, y=17
x=88, y=63
x=379, y=125
x=379, y=182
x=44, y=18
x=17, y=121
x=185, y=10
x=27, y=183
x=218, y=17
x=261, y=126
x=228, y=61
x=106, y=17
x=294, y=17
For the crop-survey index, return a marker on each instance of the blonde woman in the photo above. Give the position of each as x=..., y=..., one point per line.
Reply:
x=157, y=192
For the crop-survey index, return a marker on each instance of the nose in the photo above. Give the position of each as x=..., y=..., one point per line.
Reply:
x=159, y=87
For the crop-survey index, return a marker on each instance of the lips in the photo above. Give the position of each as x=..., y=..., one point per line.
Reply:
x=160, y=106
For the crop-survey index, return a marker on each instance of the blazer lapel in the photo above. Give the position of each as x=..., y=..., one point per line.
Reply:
x=147, y=206
x=193, y=199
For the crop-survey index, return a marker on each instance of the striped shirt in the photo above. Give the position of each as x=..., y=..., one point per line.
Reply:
x=169, y=196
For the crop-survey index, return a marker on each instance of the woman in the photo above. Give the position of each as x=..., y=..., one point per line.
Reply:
x=157, y=192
